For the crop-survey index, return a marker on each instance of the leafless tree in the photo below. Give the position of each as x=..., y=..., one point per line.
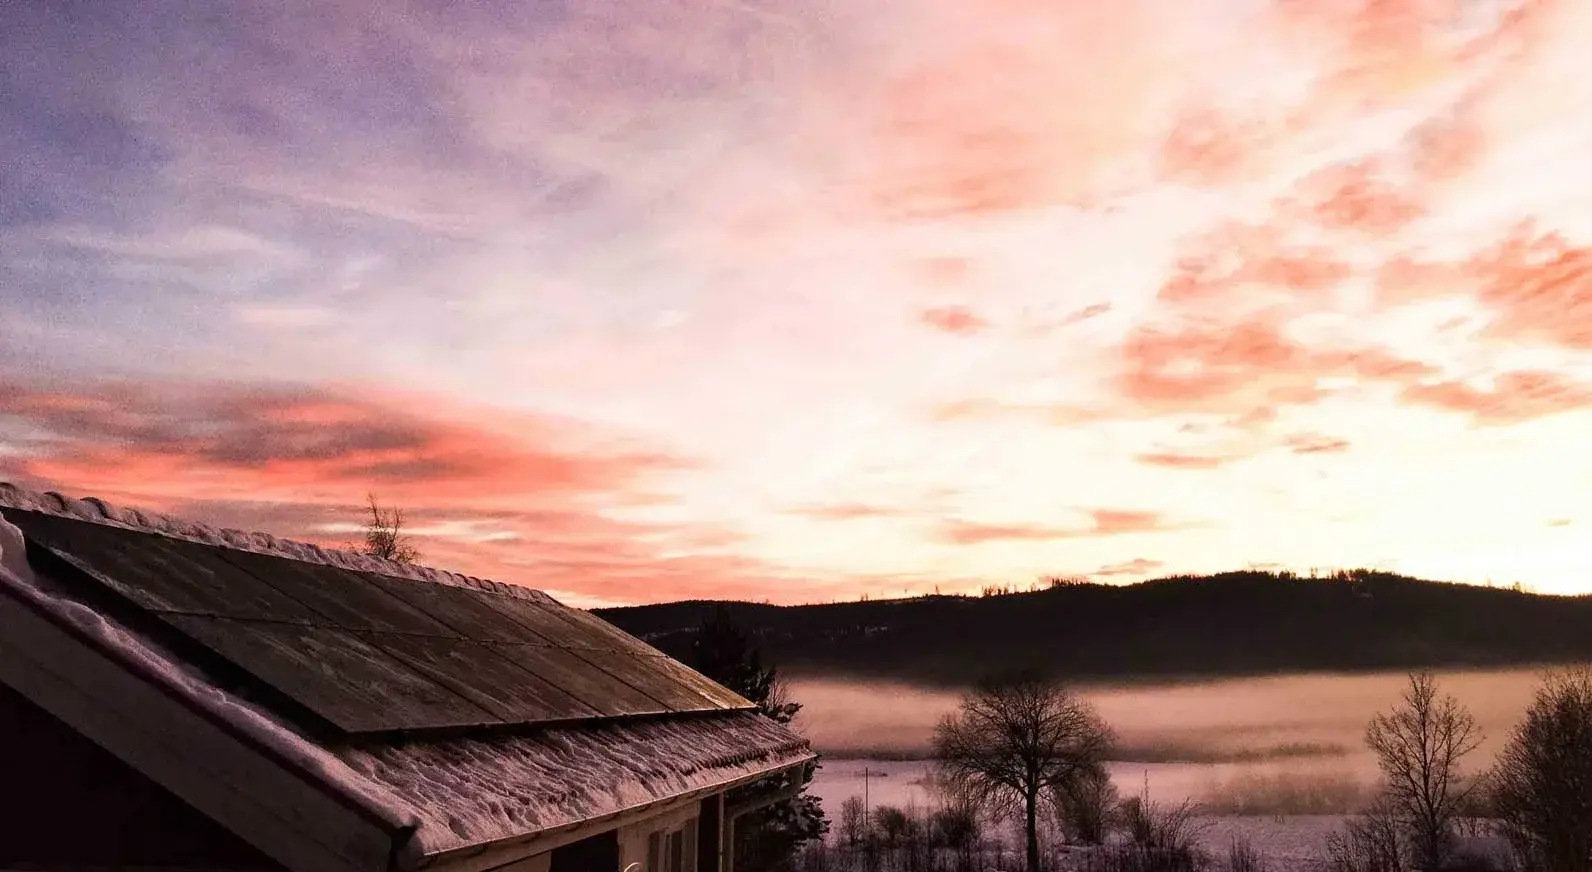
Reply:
x=384, y=536
x=853, y=822
x=1419, y=746
x=1013, y=742
x=1542, y=781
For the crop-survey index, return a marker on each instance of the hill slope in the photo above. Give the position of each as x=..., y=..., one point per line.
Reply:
x=1240, y=623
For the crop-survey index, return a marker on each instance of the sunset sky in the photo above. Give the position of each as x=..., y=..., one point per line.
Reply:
x=637, y=301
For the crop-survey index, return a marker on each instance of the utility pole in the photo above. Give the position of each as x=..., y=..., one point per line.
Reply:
x=867, y=808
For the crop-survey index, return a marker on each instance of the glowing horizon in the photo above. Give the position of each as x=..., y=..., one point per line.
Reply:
x=755, y=300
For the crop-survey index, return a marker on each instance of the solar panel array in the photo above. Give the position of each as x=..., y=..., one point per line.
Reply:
x=374, y=653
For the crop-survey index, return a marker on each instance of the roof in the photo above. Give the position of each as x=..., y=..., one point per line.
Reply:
x=464, y=711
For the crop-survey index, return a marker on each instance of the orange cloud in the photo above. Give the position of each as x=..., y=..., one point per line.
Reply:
x=1136, y=566
x=846, y=511
x=954, y=319
x=1093, y=310
x=1208, y=146
x=1174, y=460
x=1361, y=196
x=1512, y=398
x=512, y=497
x=1237, y=257
x=219, y=443
x=1540, y=287
x=1112, y=522
x=1243, y=368
x=958, y=532
x=1104, y=522
x=1316, y=443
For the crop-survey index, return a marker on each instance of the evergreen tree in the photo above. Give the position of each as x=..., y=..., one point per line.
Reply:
x=769, y=837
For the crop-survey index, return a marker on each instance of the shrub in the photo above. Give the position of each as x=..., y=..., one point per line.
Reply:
x=1084, y=805
x=1242, y=857
x=892, y=824
x=1368, y=843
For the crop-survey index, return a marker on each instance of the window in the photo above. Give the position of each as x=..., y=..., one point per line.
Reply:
x=672, y=850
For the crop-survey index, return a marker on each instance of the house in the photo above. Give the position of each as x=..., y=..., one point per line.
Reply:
x=178, y=697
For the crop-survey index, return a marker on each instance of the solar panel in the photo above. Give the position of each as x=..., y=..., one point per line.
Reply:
x=471, y=614
x=545, y=622
x=168, y=575
x=603, y=634
x=482, y=676
x=578, y=677
x=351, y=684
x=720, y=695
x=367, y=652
x=342, y=598
x=655, y=683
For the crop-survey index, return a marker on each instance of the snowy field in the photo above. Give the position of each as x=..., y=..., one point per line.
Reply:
x=1287, y=839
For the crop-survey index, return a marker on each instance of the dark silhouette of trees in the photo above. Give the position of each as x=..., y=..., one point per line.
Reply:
x=1239, y=623
x=1013, y=742
x=1085, y=804
x=1542, y=780
x=384, y=536
x=1419, y=746
x=723, y=652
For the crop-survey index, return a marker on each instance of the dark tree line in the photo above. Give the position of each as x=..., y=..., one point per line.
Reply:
x=1230, y=624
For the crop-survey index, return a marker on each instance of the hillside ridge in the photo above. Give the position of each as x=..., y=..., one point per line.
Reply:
x=1233, y=623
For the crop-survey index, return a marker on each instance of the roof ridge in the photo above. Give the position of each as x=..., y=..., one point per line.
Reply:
x=97, y=511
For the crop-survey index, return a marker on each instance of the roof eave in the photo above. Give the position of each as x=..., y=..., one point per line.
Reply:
x=492, y=854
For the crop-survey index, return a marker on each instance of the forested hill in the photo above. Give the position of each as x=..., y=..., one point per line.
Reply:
x=1241, y=623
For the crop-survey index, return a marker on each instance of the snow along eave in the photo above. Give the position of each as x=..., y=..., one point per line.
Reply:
x=475, y=793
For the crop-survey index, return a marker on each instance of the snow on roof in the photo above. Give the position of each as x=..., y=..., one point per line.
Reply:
x=456, y=792
x=99, y=512
x=474, y=791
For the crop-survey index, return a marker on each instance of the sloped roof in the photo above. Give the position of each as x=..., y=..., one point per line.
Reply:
x=466, y=710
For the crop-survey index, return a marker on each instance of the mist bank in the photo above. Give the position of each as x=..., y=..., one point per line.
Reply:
x=1233, y=624
x=1275, y=720
x=1247, y=746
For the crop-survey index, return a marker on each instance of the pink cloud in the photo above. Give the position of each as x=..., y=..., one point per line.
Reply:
x=1513, y=397
x=846, y=511
x=1177, y=460
x=1104, y=522
x=1316, y=443
x=1136, y=566
x=958, y=320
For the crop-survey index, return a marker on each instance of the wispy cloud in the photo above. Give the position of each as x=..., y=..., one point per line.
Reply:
x=633, y=322
x=1103, y=522
x=1136, y=566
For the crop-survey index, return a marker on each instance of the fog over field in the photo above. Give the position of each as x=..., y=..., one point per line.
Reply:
x=1288, y=744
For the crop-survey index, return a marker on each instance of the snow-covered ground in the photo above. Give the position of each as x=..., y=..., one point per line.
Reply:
x=1259, y=790
x=1285, y=842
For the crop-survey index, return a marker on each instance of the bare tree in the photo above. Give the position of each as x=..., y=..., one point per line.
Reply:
x=1419, y=746
x=1014, y=742
x=853, y=821
x=384, y=535
x=1542, y=781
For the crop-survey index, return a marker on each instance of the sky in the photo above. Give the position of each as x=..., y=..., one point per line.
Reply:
x=798, y=302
